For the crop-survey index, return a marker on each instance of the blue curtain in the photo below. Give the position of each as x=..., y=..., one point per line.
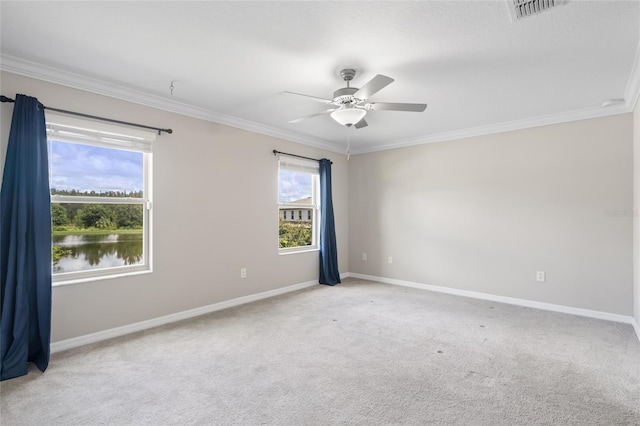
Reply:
x=25, y=235
x=328, y=253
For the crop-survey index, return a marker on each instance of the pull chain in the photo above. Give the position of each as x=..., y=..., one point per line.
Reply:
x=348, y=142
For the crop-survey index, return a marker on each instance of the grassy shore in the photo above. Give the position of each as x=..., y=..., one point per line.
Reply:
x=96, y=231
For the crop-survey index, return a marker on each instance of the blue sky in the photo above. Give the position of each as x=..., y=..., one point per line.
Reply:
x=294, y=186
x=87, y=168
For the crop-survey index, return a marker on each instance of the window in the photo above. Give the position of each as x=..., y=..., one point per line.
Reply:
x=100, y=198
x=298, y=187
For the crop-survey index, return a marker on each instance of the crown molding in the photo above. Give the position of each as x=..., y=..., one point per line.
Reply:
x=115, y=90
x=508, y=126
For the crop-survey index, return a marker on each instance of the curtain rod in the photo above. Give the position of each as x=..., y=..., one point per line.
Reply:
x=110, y=120
x=294, y=155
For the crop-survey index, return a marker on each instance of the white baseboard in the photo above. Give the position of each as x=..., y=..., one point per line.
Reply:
x=510, y=300
x=75, y=342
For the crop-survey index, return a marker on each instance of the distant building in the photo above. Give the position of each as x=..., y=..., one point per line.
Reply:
x=303, y=213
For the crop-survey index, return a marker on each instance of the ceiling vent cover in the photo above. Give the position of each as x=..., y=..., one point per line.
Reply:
x=522, y=8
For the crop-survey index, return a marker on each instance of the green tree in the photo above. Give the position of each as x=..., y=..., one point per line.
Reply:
x=72, y=211
x=129, y=216
x=95, y=216
x=105, y=223
x=59, y=215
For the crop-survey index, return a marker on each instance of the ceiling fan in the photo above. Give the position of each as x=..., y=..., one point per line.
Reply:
x=350, y=102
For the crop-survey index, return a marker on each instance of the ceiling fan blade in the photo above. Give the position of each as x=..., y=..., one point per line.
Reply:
x=313, y=98
x=374, y=85
x=392, y=106
x=327, y=111
x=360, y=124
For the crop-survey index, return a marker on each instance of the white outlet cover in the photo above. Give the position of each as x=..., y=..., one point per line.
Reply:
x=540, y=276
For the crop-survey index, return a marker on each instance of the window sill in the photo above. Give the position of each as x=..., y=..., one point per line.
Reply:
x=84, y=279
x=282, y=252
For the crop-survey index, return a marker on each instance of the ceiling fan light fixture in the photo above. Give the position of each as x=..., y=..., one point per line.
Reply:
x=348, y=116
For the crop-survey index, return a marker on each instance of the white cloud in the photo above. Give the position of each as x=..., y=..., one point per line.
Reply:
x=293, y=186
x=87, y=168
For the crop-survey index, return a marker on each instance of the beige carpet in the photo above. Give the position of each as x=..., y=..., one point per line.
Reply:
x=357, y=353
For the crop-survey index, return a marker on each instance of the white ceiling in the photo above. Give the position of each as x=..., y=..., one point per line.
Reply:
x=478, y=71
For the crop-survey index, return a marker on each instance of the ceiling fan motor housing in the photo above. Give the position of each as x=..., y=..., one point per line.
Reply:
x=345, y=95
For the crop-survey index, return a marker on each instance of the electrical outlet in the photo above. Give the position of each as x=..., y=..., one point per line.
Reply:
x=540, y=276
x=243, y=272
x=390, y=259
x=364, y=256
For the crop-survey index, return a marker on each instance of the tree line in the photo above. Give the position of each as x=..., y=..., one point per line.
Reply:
x=92, y=193
x=98, y=216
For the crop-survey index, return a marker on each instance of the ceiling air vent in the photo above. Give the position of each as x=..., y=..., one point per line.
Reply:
x=522, y=8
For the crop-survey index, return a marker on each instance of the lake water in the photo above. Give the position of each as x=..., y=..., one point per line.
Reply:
x=98, y=251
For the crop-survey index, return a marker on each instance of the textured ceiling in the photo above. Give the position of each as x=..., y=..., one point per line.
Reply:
x=230, y=61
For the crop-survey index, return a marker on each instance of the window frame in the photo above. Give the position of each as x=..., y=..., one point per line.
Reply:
x=63, y=278
x=312, y=168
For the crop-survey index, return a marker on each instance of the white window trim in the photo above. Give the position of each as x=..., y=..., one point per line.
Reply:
x=313, y=168
x=114, y=137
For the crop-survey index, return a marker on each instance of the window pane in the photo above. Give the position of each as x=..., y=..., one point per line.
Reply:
x=293, y=186
x=295, y=234
x=78, y=169
x=296, y=229
x=96, y=236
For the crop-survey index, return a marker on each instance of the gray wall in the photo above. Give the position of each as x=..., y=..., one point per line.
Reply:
x=484, y=214
x=199, y=172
